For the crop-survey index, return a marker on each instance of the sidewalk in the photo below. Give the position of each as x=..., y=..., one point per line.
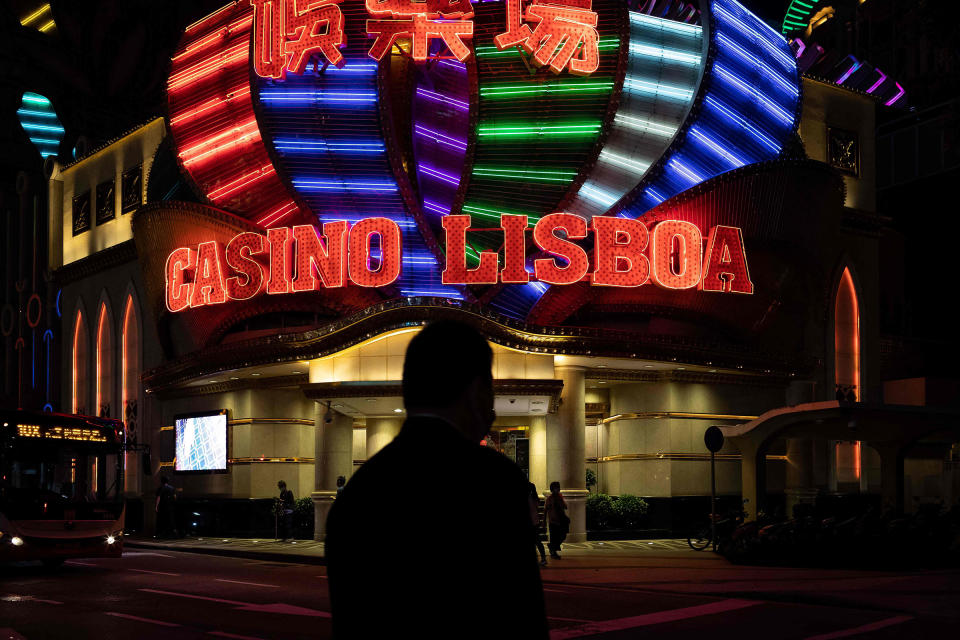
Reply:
x=311, y=552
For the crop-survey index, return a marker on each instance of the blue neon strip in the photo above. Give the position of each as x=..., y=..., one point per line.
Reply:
x=722, y=152
x=40, y=114
x=312, y=146
x=34, y=98
x=764, y=138
x=758, y=62
x=344, y=185
x=748, y=31
x=31, y=126
x=775, y=109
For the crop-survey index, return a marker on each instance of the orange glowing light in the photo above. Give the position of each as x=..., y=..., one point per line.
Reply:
x=847, y=334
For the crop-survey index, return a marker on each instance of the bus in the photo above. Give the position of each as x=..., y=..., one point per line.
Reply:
x=61, y=487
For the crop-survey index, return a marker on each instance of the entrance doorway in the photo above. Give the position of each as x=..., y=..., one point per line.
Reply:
x=513, y=442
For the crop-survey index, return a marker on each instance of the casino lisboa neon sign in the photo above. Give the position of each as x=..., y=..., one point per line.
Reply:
x=672, y=254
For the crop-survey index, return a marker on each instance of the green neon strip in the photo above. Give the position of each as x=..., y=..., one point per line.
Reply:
x=603, y=44
x=541, y=130
x=525, y=174
x=507, y=90
x=494, y=214
x=801, y=12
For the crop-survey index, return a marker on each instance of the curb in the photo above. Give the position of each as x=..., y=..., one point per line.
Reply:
x=271, y=556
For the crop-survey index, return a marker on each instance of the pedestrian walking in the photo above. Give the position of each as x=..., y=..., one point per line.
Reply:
x=418, y=550
x=166, y=498
x=557, y=519
x=287, y=502
x=534, y=499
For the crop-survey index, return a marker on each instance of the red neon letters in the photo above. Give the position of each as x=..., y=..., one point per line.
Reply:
x=421, y=22
x=626, y=253
x=287, y=32
x=568, y=23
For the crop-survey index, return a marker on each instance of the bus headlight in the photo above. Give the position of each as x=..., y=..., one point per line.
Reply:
x=111, y=539
x=16, y=541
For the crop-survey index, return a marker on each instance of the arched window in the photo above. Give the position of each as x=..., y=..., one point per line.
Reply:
x=104, y=376
x=130, y=365
x=847, y=339
x=80, y=390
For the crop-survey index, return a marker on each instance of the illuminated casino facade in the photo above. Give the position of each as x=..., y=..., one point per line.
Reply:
x=661, y=224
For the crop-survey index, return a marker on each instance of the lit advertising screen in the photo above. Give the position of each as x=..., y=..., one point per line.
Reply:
x=201, y=442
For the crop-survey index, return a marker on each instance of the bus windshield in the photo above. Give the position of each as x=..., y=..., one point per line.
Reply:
x=60, y=471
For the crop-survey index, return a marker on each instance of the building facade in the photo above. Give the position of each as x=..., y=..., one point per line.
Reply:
x=669, y=229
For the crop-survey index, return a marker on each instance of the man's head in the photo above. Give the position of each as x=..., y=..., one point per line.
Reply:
x=164, y=480
x=447, y=372
x=341, y=481
x=554, y=487
x=282, y=485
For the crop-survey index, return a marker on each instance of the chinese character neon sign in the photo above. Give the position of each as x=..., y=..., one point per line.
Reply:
x=421, y=22
x=565, y=34
x=287, y=32
x=626, y=253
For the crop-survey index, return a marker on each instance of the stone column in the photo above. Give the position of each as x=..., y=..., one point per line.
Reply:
x=333, y=456
x=380, y=431
x=800, y=488
x=566, y=449
x=538, y=452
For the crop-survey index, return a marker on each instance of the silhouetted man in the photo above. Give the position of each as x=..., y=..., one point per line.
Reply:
x=431, y=537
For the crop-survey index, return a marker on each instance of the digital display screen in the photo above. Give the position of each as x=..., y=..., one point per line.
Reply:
x=201, y=442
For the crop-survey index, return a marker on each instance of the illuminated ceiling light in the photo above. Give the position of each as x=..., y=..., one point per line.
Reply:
x=600, y=196
x=650, y=51
x=398, y=410
x=624, y=162
x=255, y=374
x=657, y=89
x=645, y=126
x=666, y=25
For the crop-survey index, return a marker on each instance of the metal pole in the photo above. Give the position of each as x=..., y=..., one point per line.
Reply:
x=713, y=499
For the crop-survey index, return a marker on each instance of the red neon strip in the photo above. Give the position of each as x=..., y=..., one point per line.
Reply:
x=856, y=459
x=278, y=214
x=76, y=342
x=211, y=104
x=207, y=66
x=216, y=36
x=246, y=179
x=103, y=316
x=210, y=61
x=233, y=130
x=209, y=18
x=253, y=136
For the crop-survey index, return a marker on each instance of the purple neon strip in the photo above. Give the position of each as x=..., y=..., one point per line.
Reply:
x=436, y=97
x=879, y=82
x=849, y=73
x=800, y=47
x=459, y=145
x=440, y=175
x=896, y=97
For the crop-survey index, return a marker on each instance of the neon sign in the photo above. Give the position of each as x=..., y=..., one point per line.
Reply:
x=626, y=253
x=60, y=433
x=286, y=33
